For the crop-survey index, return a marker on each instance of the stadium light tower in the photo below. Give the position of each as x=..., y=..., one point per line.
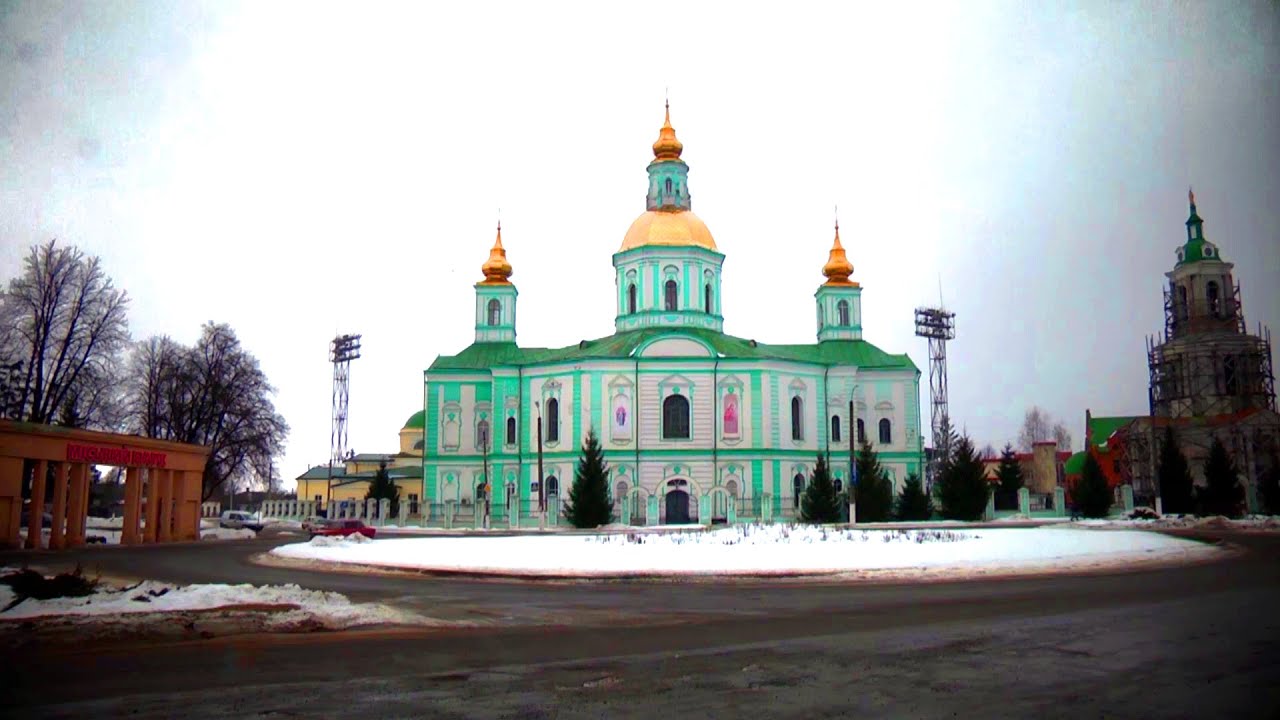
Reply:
x=342, y=351
x=938, y=326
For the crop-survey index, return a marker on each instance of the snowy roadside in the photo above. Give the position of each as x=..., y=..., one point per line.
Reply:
x=106, y=531
x=762, y=550
x=1185, y=522
x=115, y=610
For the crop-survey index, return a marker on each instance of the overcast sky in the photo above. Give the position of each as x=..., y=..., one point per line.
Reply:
x=299, y=170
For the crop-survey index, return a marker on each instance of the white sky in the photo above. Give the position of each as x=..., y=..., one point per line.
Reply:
x=300, y=170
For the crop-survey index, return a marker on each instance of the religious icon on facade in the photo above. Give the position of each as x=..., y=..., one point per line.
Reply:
x=621, y=417
x=731, y=414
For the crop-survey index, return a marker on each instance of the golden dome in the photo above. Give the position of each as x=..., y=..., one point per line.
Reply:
x=667, y=147
x=496, y=269
x=838, y=268
x=671, y=229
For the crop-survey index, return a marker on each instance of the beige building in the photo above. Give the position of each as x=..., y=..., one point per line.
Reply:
x=351, y=481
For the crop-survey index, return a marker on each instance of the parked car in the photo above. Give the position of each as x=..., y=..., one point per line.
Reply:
x=313, y=523
x=236, y=519
x=343, y=528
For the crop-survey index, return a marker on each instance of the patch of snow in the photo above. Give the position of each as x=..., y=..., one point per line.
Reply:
x=6, y=593
x=339, y=540
x=156, y=597
x=97, y=523
x=1183, y=522
x=756, y=549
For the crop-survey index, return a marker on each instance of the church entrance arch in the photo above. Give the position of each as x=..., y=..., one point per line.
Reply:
x=678, y=502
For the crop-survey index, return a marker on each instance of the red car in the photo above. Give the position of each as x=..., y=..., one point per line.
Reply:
x=343, y=528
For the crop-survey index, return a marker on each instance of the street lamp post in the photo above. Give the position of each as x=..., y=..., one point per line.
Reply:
x=542, y=490
x=488, y=489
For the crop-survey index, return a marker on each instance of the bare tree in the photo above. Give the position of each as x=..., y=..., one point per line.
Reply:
x=212, y=394
x=1039, y=426
x=63, y=326
x=988, y=452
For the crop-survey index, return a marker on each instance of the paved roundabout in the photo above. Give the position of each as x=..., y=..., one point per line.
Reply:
x=1200, y=639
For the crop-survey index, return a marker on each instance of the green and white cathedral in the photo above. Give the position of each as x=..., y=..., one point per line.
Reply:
x=696, y=425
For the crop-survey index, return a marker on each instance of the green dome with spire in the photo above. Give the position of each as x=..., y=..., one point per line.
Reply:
x=1196, y=248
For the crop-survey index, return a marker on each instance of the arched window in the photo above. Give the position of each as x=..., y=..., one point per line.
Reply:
x=668, y=186
x=631, y=298
x=495, y=312
x=553, y=486
x=620, y=491
x=835, y=428
x=862, y=431
x=482, y=434
x=670, y=299
x=838, y=483
x=1229, y=377
x=553, y=420
x=511, y=431
x=675, y=417
x=797, y=418
x=842, y=313
x=886, y=431
x=1182, y=302
x=706, y=298
x=797, y=486
x=1211, y=292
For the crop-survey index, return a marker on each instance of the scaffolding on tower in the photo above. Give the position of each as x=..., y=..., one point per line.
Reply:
x=938, y=326
x=342, y=351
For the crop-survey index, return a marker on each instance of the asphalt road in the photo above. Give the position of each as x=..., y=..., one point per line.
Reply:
x=1196, y=641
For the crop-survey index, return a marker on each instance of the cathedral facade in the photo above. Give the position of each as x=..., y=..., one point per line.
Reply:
x=696, y=425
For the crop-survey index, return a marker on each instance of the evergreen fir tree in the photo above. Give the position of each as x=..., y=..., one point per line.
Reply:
x=873, y=493
x=913, y=502
x=1091, y=495
x=1269, y=487
x=1175, y=477
x=1222, y=493
x=819, y=503
x=962, y=489
x=1009, y=473
x=590, y=503
x=384, y=488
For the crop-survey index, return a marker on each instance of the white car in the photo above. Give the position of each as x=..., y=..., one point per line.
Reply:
x=236, y=519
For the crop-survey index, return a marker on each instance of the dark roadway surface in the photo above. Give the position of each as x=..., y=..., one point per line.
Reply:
x=1194, y=641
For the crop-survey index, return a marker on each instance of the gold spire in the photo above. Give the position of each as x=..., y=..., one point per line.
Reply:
x=838, y=268
x=496, y=269
x=667, y=147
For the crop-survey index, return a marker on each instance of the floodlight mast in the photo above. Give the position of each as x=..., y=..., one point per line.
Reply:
x=938, y=326
x=342, y=350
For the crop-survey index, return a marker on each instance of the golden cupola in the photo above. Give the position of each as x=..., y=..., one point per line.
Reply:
x=838, y=268
x=667, y=146
x=497, y=270
x=668, y=219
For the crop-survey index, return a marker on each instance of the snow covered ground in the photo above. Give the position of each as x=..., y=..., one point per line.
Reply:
x=331, y=610
x=1252, y=522
x=109, y=530
x=762, y=550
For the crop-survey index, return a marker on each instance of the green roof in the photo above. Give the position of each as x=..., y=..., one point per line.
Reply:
x=417, y=420
x=319, y=472
x=482, y=356
x=1075, y=464
x=1101, y=428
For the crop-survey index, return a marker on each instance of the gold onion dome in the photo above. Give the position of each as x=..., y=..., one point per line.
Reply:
x=496, y=269
x=660, y=227
x=667, y=147
x=838, y=268
x=668, y=226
